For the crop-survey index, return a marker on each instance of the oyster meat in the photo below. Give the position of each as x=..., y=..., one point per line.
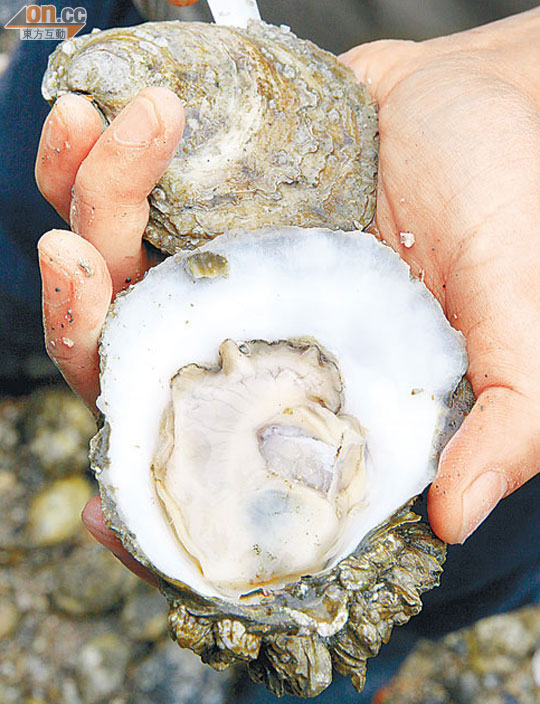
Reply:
x=277, y=131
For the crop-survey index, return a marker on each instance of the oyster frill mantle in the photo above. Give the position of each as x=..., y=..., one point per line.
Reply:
x=278, y=132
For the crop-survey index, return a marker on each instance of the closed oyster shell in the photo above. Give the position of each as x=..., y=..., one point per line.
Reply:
x=278, y=132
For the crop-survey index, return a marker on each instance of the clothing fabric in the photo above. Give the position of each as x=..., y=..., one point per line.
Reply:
x=498, y=568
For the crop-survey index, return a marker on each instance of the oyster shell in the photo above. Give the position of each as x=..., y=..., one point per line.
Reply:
x=335, y=299
x=277, y=131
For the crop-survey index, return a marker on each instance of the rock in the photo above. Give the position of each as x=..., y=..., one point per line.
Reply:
x=488, y=664
x=174, y=676
x=102, y=668
x=8, y=481
x=466, y=686
x=536, y=667
x=9, y=617
x=10, y=412
x=57, y=429
x=55, y=512
x=91, y=580
x=8, y=694
x=499, y=634
x=144, y=616
x=491, y=662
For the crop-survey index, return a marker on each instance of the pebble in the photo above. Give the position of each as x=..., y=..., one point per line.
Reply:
x=467, y=686
x=144, y=616
x=9, y=617
x=58, y=428
x=55, y=512
x=8, y=481
x=91, y=581
x=499, y=635
x=102, y=667
x=177, y=676
x=536, y=667
x=488, y=663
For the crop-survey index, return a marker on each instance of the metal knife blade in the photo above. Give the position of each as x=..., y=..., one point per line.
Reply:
x=234, y=12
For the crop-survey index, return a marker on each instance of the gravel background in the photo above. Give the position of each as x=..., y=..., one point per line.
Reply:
x=77, y=628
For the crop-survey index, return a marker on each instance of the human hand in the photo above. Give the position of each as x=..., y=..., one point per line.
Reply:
x=459, y=121
x=423, y=98
x=100, y=183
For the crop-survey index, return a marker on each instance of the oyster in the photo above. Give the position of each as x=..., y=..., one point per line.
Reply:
x=277, y=131
x=292, y=394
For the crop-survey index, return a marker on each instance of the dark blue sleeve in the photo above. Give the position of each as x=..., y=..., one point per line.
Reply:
x=24, y=214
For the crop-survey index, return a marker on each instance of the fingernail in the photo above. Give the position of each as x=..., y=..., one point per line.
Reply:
x=479, y=500
x=90, y=521
x=138, y=124
x=56, y=282
x=55, y=131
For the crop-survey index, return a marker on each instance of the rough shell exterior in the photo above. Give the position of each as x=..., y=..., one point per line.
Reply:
x=277, y=131
x=292, y=639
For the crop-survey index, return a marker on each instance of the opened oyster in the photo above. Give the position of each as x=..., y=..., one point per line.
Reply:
x=272, y=401
x=277, y=131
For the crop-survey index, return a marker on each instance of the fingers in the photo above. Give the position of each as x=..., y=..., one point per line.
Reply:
x=101, y=181
x=110, y=207
x=496, y=450
x=77, y=291
x=441, y=179
x=69, y=133
x=94, y=521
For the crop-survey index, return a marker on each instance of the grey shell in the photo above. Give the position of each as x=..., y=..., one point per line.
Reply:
x=294, y=136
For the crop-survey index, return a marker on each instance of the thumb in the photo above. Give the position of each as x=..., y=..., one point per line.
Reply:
x=94, y=521
x=496, y=450
x=381, y=64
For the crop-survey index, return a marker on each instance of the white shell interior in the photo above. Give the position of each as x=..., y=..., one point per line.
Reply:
x=398, y=356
